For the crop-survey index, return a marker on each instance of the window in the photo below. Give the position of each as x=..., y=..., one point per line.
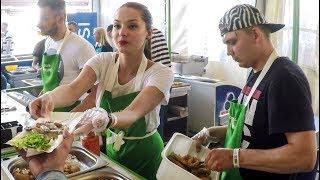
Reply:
x=156, y=8
x=198, y=23
x=308, y=44
x=22, y=17
x=309, y=34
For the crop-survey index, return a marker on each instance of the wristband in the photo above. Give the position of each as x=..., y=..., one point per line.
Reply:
x=235, y=158
x=114, y=119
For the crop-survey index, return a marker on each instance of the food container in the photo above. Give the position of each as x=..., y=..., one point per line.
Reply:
x=10, y=68
x=88, y=162
x=182, y=145
x=103, y=173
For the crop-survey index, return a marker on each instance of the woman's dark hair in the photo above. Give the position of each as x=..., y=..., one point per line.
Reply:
x=147, y=18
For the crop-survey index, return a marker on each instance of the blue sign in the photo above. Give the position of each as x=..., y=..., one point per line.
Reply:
x=224, y=94
x=86, y=24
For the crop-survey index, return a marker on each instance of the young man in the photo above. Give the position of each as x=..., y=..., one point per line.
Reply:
x=271, y=133
x=65, y=52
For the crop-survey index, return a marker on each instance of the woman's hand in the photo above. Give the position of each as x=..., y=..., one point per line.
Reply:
x=41, y=106
x=94, y=119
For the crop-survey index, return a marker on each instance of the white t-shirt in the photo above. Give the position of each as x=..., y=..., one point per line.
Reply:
x=157, y=75
x=76, y=51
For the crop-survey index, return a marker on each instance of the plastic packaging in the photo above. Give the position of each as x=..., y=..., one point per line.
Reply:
x=182, y=145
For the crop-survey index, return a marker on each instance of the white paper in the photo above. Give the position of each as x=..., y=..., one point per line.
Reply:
x=70, y=120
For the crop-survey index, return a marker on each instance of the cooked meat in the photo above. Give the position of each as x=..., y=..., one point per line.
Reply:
x=72, y=165
x=22, y=174
x=51, y=128
x=190, y=164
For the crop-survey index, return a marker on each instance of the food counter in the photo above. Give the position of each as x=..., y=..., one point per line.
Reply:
x=91, y=166
x=105, y=168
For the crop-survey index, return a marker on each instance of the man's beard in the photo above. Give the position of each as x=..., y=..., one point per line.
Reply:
x=52, y=31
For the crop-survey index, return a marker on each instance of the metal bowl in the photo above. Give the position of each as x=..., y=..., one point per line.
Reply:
x=88, y=162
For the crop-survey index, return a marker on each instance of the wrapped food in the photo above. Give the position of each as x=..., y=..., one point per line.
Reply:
x=43, y=137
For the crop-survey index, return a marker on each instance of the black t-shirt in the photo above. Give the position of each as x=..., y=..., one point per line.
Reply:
x=39, y=50
x=280, y=104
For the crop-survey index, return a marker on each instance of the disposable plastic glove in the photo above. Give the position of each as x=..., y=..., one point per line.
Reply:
x=94, y=119
x=200, y=138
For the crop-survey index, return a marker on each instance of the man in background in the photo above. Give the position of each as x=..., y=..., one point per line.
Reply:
x=73, y=26
x=6, y=39
x=65, y=53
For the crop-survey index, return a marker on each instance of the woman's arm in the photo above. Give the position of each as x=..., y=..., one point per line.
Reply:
x=66, y=95
x=145, y=102
x=89, y=102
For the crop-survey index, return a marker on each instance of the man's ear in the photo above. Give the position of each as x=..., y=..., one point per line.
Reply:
x=149, y=34
x=257, y=33
x=61, y=17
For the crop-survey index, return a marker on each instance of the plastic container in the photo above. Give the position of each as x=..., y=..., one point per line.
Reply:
x=91, y=143
x=10, y=68
x=182, y=145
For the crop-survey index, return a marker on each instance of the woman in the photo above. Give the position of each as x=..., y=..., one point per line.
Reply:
x=102, y=44
x=130, y=92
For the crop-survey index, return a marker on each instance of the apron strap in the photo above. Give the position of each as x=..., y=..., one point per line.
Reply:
x=102, y=86
x=266, y=67
x=114, y=74
x=117, y=139
x=140, y=73
x=68, y=32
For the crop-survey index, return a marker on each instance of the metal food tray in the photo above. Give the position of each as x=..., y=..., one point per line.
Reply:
x=88, y=162
x=103, y=173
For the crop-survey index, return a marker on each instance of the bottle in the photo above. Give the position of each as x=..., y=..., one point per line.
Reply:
x=91, y=143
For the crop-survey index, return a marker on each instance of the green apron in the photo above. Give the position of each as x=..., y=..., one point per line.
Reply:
x=236, y=119
x=136, y=149
x=237, y=114
x=50, y=73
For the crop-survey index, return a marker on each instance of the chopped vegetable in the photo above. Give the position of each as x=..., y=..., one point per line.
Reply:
x=33, y=140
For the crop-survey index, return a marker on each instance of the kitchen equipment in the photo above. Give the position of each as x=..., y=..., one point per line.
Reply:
x=189, y=65
x=8, y=131
x=23, y=98
x=11, y=68
x=88, y=162
x=182, y=145
x=103, y=173
x=15, y=77
x=208, y=101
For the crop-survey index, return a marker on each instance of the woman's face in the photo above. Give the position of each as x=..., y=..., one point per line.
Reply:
x=129, y=32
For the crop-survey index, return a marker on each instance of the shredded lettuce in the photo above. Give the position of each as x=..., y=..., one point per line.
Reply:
x=32, y=140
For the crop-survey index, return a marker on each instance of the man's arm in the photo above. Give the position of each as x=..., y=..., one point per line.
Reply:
x=299, y=155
